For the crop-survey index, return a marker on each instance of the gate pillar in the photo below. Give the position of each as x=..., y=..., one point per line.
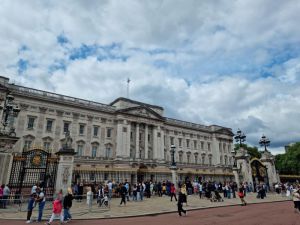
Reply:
x=269, y=162
x=65, y=169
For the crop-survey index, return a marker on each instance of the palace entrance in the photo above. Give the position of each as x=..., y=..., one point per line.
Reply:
x=34, y=166
x=259, y=172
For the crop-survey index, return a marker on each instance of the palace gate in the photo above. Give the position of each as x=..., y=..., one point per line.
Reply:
x=34, y=166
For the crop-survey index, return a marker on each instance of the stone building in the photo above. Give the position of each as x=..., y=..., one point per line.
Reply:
x=125, y=139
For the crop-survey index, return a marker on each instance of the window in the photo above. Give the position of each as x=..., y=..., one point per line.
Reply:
x=221, y=160
x=165, y=154
x=124, y=129
x=203, y=159
x=187, y=143
x=66, y=126
x=210, y=160
x=158, y=134
x=49, y=125
x=94, y=151
x=172, y=140
x=220, y=147
x=180, y=142
x=195, y=144
x=27, y=144
x=30, y=124
x=131, y=136
x=226, y=161
x=96, y=130
x=108, y=154
x=224, y=147
x=188, y=157
x=79, y=149
x=180, y=157
x=196, y=159
x=47, y=145
x=108, y=132
x=140, y=136
x=202, y=145
x=81, y=129
x=132, y=155
x=208, y=146
x=149, y=137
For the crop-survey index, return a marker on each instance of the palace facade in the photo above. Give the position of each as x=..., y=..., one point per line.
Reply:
x=125, y=139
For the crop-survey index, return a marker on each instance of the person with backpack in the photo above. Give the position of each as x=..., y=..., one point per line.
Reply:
x=56, y=211
x=181, y=199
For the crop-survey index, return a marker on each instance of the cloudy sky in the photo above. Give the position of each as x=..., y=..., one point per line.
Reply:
x=231, y=63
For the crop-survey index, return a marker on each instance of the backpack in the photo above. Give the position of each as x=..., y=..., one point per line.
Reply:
x=57, y=206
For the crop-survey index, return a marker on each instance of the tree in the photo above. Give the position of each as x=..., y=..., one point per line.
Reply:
x=289, y=162
x=252, y=151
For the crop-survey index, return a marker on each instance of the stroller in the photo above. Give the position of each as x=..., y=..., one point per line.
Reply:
x=103, y=202
x=216, y=197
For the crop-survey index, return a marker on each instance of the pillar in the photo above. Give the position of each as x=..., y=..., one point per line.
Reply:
x=137, y=141
x=146, y=142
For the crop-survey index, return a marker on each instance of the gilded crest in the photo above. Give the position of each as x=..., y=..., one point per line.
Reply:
x=36, y=160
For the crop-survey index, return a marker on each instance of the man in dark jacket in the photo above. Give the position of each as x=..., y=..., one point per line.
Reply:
x=67, y=204
x=179, y=204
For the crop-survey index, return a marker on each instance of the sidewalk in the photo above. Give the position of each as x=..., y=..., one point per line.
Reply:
x=150, y=206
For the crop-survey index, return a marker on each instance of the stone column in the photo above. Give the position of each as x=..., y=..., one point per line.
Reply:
x=155, y=155
x=65, y=169
x=128, y=139
x=162, y=144
x=120, y=146
x=137, y=141
x=146, y=141
x=268, y=160
x=215, y=150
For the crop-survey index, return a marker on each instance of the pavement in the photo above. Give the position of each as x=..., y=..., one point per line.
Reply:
x=149, y=206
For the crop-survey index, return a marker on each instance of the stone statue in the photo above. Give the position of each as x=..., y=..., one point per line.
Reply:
x=67, y=144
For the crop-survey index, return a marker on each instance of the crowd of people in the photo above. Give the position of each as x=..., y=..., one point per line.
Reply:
x=104, y=192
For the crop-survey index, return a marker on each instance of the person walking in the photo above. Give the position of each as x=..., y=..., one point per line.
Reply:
x=200, y=188
x=180, y=203
x=241, y=194
x=296, y=200
x=56, y=211
x=67, y=204
x=123, y=192
x=173, y=192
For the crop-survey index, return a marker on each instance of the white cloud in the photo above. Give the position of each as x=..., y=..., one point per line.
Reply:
x=230, y=63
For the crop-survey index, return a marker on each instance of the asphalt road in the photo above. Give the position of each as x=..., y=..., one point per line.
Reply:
x=276, y=213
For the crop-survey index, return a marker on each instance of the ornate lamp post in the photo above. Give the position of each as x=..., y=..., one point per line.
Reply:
x=172, y=151
x=173, y=166
x=264, y=141
x=7, y=132
x=240, y=137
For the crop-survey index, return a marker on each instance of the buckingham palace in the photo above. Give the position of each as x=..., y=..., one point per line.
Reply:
x=125, y=139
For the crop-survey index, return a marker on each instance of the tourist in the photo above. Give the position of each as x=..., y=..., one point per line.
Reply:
x=179, y=204
x=142, y=190
x=42, y=201
x=173, y=192
x=6, y=193
x=30, y=207
x=89, y=198
x=200, y=189
x=184, y=194
x=1, y=196
x=241, y=194
x=67, y=204
x=123, y=192
x=134, y=193
x=296, y=200
x=56, y=211
x=110, y=188
x=80, y=191
x=159, y=189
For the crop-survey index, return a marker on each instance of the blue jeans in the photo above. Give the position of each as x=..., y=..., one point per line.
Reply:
x=142, y=195
x=67, y=214
x=41, y=209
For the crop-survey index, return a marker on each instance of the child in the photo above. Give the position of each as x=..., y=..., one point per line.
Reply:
x=57, y=211
x=31, y=205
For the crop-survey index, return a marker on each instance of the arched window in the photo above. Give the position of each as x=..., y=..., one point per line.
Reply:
x=80, y=147
x=95, y=147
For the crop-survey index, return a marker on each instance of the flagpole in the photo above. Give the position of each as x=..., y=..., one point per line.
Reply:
x=128, y=81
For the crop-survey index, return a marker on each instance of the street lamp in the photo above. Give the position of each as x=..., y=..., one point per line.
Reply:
x=240, y=137
x=172, y=151
x=8, y=136
x=10, y=109
x=264, y=141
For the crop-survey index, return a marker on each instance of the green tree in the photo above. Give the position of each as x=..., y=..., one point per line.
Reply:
x=252, y=151
x=289, y=162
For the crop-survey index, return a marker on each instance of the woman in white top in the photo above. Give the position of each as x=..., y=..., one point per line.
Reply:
x=89, y=198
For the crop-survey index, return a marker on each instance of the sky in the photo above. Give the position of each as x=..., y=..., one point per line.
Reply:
x=231, y=63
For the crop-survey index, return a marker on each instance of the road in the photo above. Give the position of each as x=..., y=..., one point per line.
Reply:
x=277, y=213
